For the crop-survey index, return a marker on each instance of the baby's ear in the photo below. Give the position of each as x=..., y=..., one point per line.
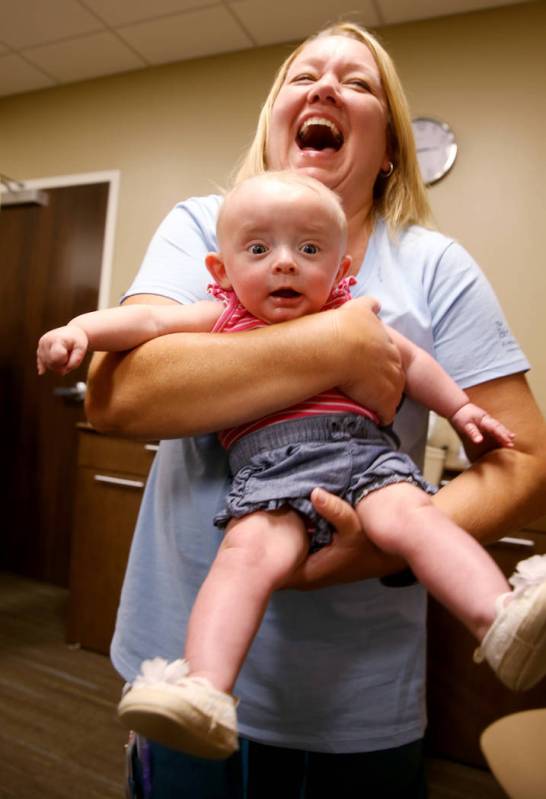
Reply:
x=215, y=264
x=344, y=267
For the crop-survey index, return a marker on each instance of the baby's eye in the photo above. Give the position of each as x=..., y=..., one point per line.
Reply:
x=309, y=249
x=257, y=249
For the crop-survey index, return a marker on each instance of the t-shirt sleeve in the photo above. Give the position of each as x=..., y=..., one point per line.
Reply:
x=472, y=339
x=174, y=264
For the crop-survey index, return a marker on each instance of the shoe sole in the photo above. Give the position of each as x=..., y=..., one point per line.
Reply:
x=164, y=717
x=524, y=662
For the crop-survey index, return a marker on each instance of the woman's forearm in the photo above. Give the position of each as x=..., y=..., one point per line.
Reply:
x=186, y=384
x=505, y=488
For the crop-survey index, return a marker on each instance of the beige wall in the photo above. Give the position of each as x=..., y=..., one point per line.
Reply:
x=177, y=130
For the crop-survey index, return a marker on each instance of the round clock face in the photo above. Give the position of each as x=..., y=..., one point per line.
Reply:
x=436, y=148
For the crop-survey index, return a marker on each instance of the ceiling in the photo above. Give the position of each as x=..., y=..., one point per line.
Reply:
x=46, y=43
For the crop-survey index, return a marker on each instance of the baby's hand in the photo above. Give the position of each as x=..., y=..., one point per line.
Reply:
x=476, y=424
x=61, y=350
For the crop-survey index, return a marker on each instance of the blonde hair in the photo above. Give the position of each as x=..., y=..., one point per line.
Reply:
x=400, y=198
x=287, y=177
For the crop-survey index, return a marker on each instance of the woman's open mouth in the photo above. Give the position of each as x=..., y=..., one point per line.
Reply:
x=318, y=133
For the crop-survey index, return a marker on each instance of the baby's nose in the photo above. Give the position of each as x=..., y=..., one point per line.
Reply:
x=284, y=268
x=284, y=263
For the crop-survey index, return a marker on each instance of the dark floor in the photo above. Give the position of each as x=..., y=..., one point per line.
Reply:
x=59, y=737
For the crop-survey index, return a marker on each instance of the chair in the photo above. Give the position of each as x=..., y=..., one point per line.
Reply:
x=515, y=749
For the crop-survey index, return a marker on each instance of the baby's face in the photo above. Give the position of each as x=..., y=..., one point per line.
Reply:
x=283, y=249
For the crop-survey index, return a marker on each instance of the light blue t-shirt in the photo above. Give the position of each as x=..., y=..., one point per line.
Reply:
x=340, y=669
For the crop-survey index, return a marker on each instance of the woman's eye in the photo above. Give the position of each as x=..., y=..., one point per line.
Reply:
x=305, y=77
x=310, y=249
x=257, y=249
x=357, y=83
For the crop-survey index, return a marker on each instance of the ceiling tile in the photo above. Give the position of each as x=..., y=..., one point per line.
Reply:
x=286, y=20
x=85, y=57
x=25, y=23
x=123, y=12
x=191, y=35
x=395, y=11
x=16, y=76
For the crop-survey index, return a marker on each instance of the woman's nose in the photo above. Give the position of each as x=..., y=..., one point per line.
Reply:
x=325, y=90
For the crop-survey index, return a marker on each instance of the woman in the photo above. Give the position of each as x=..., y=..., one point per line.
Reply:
x=333, y=688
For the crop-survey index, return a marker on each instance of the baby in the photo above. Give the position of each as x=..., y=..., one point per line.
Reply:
x=282, y=239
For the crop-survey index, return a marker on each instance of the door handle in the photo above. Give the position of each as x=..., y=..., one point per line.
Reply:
x=517, y=543
x=118, y=481
x=75, y=392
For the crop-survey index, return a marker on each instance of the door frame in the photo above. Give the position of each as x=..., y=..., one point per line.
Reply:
x=112, y=177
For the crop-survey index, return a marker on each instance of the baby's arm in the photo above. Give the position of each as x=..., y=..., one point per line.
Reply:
x=120, y=329
x=429, y=384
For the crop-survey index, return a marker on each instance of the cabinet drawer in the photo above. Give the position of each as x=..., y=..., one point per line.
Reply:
x=105, y=516
x=512, y=548
x=112, y=472
x=538, y=524
x=113, y=454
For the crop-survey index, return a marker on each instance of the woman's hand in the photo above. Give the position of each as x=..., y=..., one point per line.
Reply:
x=349, y=558
x=374, y=377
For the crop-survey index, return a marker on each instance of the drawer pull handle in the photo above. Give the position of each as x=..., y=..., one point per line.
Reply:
x=523, y=543
x=118, y=481
x=151, y=447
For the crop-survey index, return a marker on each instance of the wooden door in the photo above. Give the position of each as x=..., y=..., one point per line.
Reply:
x=50, y=262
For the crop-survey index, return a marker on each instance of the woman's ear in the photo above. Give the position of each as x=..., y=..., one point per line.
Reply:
x=344, y=267
x=215, y=264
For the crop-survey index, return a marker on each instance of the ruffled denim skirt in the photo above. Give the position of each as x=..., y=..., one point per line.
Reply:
x=280, y=465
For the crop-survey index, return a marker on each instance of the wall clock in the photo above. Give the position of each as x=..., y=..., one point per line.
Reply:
x=436, y=148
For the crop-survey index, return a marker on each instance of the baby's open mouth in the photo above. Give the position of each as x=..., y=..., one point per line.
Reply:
x=318, y=133
x=285, y=293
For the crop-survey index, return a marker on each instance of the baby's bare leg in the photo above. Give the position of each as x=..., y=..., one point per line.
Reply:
x=401, y=519
x=258, y=553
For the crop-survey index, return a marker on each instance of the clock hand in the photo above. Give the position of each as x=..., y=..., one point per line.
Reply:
x=426, y=149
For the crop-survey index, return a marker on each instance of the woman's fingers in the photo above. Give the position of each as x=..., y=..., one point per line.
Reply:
x=349, y=558
x=336, y=511
x=378, y=381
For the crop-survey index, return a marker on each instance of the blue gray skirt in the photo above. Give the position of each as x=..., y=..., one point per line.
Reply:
x=280, y=465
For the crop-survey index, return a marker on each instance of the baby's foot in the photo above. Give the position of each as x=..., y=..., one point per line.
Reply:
x=167, y=705
x=515, y=644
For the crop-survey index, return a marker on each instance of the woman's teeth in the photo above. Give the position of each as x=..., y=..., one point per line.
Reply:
x=318, y=133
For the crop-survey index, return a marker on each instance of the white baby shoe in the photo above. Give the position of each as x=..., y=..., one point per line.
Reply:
x=515, y=644
x=187, y=713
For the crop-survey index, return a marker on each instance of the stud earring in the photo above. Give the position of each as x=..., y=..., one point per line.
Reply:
x=386, y=173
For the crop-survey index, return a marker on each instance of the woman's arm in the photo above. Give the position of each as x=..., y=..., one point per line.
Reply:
x=500, y=492
x=187, y=384
x=505, y=488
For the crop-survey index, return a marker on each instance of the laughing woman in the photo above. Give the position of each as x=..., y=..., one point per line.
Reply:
x=333, y=688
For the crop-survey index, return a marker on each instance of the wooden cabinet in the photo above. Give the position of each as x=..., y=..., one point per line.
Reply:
x=111, y=476
x=463, y=697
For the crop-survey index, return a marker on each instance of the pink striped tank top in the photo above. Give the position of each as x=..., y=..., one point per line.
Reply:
x=236, y=318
